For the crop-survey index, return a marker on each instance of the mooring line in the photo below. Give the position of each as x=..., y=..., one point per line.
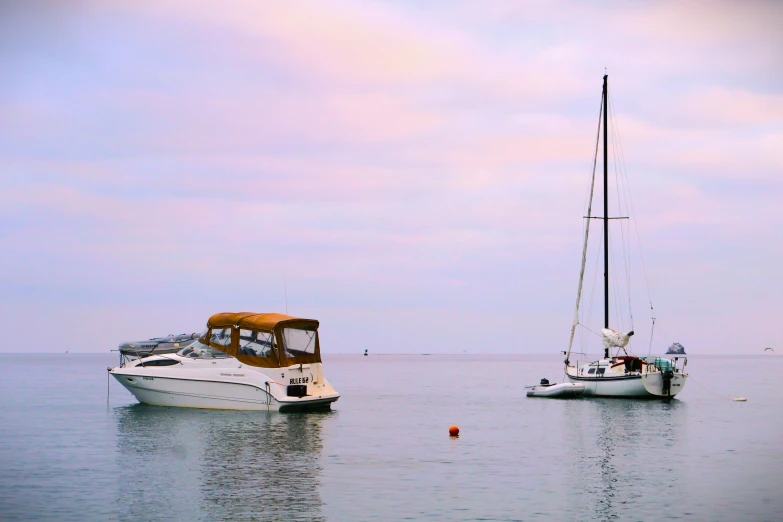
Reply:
x=713, y=392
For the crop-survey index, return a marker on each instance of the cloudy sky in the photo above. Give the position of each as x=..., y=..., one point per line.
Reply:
x=412, y=174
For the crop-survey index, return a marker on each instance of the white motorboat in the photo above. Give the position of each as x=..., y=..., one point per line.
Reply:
x=563, y=390
x=243, y=361
x=618, y=374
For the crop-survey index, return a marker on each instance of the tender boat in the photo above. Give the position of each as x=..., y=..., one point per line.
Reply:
x=157, y=345
x=563, y=390
x=243, y=361
x=619, y=373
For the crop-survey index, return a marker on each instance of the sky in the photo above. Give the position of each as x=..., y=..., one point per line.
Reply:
x=411, y=174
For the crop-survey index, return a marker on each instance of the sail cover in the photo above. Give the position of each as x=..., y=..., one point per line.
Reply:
x=614, y=339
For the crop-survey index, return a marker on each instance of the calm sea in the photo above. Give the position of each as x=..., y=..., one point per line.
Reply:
x=384, y=452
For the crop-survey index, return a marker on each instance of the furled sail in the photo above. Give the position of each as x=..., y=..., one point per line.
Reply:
x=614, y=339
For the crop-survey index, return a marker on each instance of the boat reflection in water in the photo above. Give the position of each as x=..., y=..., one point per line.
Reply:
x=616, y=472
x=225, y=465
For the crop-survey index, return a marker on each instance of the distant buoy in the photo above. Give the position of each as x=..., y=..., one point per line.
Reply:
x=740, y=399
x=454, y=431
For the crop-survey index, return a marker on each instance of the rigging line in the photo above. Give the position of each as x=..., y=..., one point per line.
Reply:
x=625, y=245
x=618, y=310
x=652, y=332
x=613, y=294
x=595, y=277
x=644, y=264
x=587, y=315
x=591, y=331
x=621, y=308
x=589, y=189
x=626, y=188
x=632, y=212
x=587, y=233
x=619, y=169
x=623, y=169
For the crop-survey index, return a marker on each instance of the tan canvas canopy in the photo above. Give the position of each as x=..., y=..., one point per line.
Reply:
x=266, y=340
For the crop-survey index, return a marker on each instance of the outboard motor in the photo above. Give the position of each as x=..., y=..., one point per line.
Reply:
x=544, y=382
x=666, y=388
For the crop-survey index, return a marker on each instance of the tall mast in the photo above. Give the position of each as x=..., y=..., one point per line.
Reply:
x=606, y=212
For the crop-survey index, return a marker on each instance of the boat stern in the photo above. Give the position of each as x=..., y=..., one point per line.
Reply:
x=662, y=385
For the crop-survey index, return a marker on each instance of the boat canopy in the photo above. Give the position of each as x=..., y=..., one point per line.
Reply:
x=265, y=340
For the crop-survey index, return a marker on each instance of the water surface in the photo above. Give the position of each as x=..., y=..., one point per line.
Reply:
x=384, y=451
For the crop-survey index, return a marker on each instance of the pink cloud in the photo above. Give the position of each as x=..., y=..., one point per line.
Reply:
x=359, y=40
x=384, y=157
x=722, y=106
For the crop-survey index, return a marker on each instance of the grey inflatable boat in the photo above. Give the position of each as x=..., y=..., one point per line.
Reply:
x=157, y=345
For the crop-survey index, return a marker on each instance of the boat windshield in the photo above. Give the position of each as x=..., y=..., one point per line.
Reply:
x=298, y=343
x=198, y=350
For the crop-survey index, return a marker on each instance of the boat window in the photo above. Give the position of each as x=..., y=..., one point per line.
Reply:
x=591, y=370
x=208, y=352
x=601, y=371
x=298, y=342
x=256, y=344
x=158, y=362
x=221, y=336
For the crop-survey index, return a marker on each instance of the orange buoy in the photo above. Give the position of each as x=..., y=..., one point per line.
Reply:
x=454, y=431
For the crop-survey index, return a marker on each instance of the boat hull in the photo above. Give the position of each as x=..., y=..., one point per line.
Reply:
x=646, y=386
x=225, y=384
x=197, y=393
x=653, y=383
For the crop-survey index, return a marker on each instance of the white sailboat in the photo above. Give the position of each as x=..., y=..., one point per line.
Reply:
x=619, y=373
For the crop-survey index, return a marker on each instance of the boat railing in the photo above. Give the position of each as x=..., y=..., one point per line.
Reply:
x=660, y=365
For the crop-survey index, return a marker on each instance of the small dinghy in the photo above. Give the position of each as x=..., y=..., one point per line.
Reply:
x=157, y=345
x=562, y=390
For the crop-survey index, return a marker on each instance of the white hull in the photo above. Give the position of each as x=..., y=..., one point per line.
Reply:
x=225, y=384
x=648, y=386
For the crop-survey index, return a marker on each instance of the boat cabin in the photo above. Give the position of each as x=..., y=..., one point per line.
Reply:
x=264, y=340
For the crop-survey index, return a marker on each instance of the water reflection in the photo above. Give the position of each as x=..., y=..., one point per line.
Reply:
x=203, y=464
x=624, y=454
